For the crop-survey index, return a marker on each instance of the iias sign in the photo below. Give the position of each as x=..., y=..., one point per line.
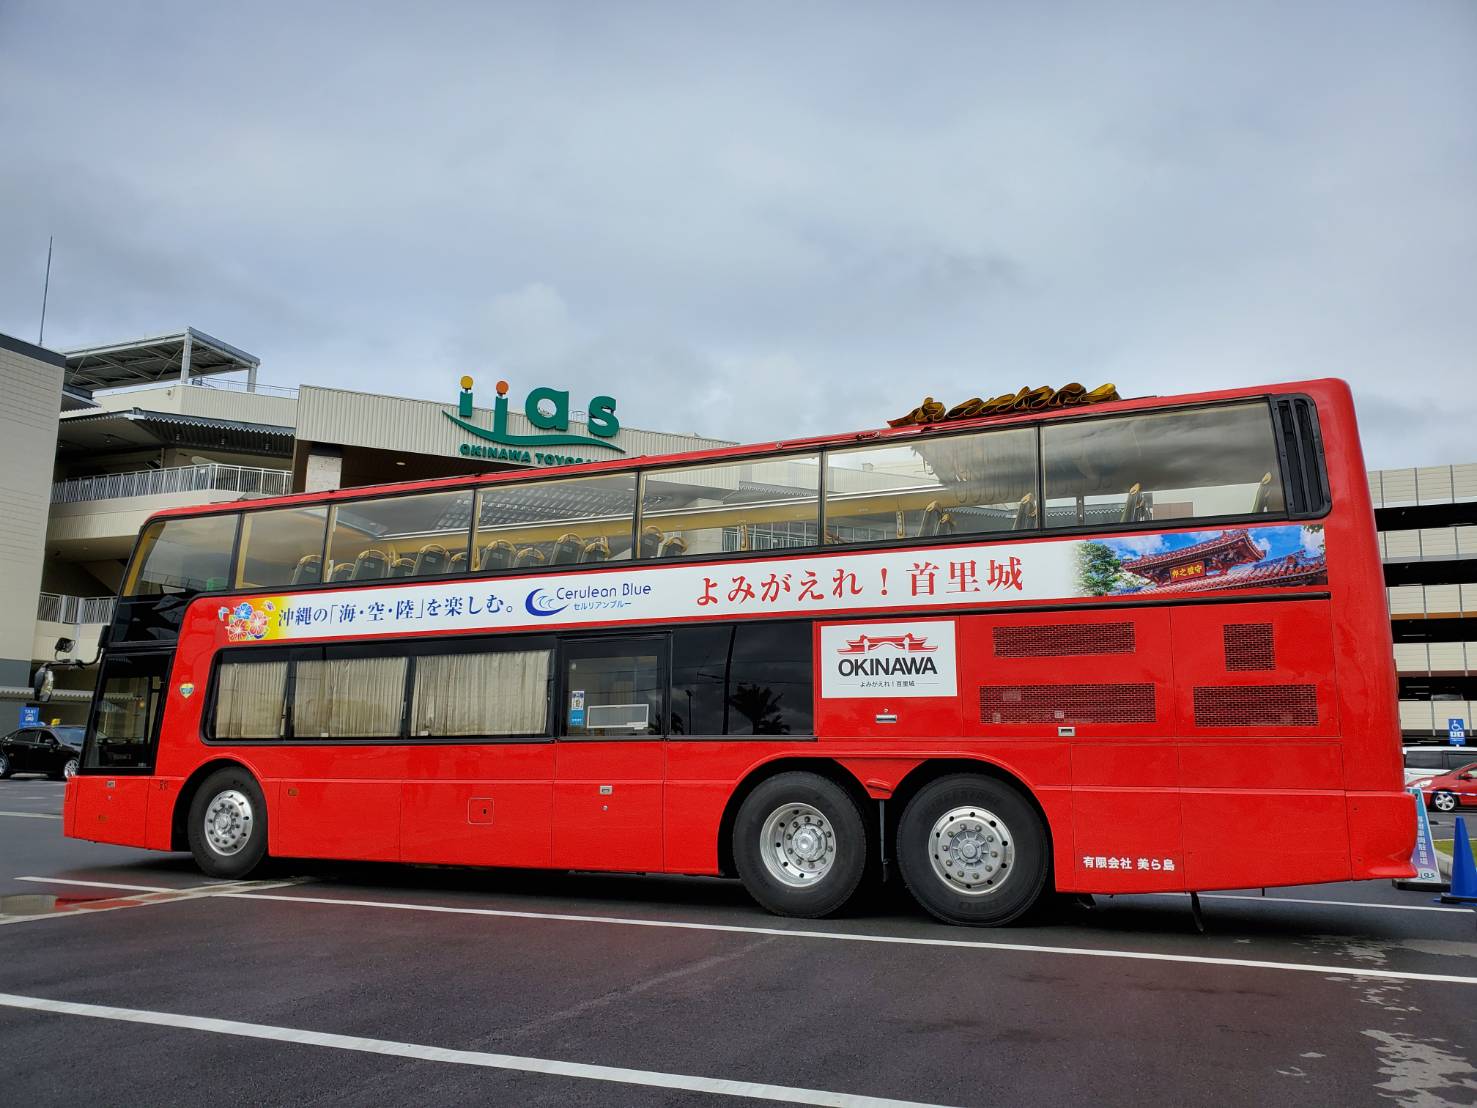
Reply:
x=536, y=449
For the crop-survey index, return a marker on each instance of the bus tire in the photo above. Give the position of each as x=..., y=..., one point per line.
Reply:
x=973, y=850
x=227, y=824
x=799, y=845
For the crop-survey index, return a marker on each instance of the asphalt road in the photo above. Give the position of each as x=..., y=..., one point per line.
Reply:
x=127, y=978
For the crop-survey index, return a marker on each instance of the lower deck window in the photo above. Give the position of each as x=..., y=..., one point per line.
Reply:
x=501, y=693
x=349, y=698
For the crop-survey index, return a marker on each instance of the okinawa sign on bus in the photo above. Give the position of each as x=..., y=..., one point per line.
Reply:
x=942, y=577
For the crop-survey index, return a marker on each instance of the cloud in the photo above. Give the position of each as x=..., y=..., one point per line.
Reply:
x=762, y=222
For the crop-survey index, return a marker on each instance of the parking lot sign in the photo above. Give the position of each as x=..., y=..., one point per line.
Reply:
x=1456, y=731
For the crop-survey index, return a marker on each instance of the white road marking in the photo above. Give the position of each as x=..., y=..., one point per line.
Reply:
x=102, y=884
x=31, y=815
x=1337, y=903
x=655, y=1079
x=899, y=940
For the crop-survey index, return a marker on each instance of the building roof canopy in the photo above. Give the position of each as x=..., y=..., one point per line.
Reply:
x=135, y=429
x=150, y=360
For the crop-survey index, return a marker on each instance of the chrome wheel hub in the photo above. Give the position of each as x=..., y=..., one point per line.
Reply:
x=798, y=845
x=971, y=850
x=70, y=769
x=228, y=821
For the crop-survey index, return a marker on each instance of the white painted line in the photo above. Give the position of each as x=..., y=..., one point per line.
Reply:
x=839, y=936
x=1336, y=903
x=102, y=885
x=31, y=815
x=716, y=1086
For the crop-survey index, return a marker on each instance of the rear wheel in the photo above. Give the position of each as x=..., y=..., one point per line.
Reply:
x=972, y=850
x=227, y=826
x=5, y=769
x=799, y=845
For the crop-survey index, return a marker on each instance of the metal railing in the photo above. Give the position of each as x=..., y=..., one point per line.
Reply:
x=56, y=608
x=229, y=385
x=154, y=482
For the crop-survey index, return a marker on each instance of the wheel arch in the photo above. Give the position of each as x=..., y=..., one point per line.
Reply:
x=178, y=835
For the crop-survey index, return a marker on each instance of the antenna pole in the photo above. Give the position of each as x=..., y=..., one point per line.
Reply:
x=45, y=291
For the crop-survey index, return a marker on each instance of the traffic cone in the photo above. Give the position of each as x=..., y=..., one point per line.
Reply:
x=1463, y=869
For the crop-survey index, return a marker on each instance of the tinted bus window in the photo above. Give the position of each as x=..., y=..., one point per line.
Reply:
x=283, y=546
x=1162, y=466
x=764, y=505
x=348, y=698
x=125, y=719
x=749, y=679
x=401, y=536
x=587, y=519
x=249, y=700
x=964, y=485
x=183, y=556
x=497, y=693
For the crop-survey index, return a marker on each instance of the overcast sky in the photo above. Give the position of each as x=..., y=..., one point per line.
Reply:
x=757, y=221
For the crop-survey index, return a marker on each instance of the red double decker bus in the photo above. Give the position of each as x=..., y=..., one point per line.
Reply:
x=1025, y=645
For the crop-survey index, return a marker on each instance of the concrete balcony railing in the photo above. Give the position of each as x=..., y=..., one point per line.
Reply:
x=56, y=608
x=156, y=482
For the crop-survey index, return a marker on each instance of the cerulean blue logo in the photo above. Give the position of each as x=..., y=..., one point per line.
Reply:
x=539, y=604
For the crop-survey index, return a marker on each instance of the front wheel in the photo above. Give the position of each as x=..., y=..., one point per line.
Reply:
x=799, y=845
x=66, y=773
x=972, y=850
x=227, y=826
x=1444, y=801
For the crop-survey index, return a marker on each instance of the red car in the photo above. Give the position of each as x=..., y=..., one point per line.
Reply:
x=1449, y=791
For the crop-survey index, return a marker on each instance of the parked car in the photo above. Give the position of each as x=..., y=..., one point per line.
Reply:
x=54, y=751
x=1450, y=791
x=1431, y=761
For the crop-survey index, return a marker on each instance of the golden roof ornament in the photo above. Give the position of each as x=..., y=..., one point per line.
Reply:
x=1027, y=400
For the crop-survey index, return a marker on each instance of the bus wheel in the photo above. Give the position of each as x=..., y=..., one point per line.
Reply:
x=799, y=845
x=972, y=850
x=228, y=824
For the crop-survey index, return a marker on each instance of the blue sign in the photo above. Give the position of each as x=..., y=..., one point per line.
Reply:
x=1456, y=731
x=30, y=715
x=577, y=708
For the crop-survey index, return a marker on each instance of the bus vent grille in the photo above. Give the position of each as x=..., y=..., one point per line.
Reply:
x=1256, y=706
x=1249, y=646
x=1054, y=639
x=1067, y=703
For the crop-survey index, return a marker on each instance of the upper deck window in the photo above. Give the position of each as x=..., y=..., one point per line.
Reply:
x=400, y=536
x=536, y=523
x=758, y=505
x=962, y=485
x=182, y=556
x=1162, y=466
x=282, y=546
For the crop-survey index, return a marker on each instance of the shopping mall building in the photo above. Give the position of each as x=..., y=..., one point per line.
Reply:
x=93, y=441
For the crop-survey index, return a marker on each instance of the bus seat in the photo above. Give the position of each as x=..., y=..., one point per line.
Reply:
x=528, y=556
x=597, y=551
x=930, y=523
x=370, y=564
x=309, y=570
x=431, y=559
x=498, y=555
x=1259, y=502
x=1025, y=514
x=344, y=571
x=1136, y=506
x=651, y=541
x=403, y=567
x=459, y=562
x=673, y=547
x=567, y=550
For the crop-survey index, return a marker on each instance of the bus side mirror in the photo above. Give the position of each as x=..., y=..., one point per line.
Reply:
x=42, y=683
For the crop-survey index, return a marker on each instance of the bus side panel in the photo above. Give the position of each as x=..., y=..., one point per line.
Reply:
x=335, y=801
x=479, y=805
x=112, y=809
x=1236, y=839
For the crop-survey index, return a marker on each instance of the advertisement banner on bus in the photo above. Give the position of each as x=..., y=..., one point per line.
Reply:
x=942, y=577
